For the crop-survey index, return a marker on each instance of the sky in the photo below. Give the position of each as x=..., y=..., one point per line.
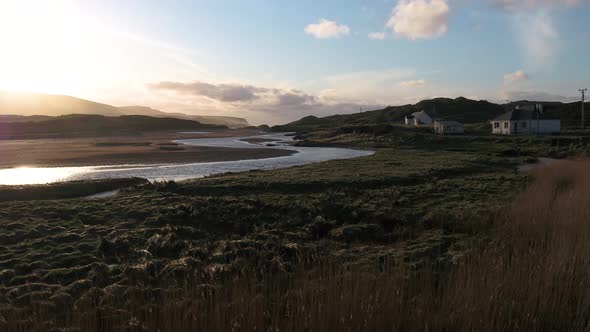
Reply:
x=274, y=61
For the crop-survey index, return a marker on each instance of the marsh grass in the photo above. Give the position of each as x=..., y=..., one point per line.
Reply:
x=63, y=190
x=534, y=274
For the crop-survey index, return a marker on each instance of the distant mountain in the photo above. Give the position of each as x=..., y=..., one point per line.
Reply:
x=228, y=121
x=79, y=125
x=460, y=109
x=13, y=105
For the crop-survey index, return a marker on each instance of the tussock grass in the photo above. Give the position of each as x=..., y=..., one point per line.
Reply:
x=534, y=274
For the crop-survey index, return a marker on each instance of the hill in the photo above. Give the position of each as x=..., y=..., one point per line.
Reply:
x=15, y=105
x=9, y=118
x=569, y=113
x=77, y=125
x=460, y=109
x=53, y=105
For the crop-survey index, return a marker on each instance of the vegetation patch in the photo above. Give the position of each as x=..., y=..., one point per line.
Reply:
x=412, y=211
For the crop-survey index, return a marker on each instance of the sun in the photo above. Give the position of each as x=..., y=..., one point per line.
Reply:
x=47, y=46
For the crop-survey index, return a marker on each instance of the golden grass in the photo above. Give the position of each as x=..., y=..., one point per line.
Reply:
x=533, y=275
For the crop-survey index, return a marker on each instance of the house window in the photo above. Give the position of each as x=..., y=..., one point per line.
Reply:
x=505, y=124
x=524, y=125
x=496, y=124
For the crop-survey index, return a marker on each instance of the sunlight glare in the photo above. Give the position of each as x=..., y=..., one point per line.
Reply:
x=36, y=175
x=48, y=46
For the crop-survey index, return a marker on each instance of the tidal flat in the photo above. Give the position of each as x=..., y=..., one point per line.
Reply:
x=149, y=148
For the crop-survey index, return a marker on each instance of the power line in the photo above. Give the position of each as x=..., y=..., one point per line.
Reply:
x=583, y=91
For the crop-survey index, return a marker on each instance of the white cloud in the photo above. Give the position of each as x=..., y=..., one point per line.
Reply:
x=420, y=19
x=377, y=35
x=413, y=84
x=517, y=76
x=539, y=37
x=326, y=29
x=535, y=28
x=517, y=5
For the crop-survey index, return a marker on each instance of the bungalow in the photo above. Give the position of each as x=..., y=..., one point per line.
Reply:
x=526, y=120
x=419, y=118
x=444, y=127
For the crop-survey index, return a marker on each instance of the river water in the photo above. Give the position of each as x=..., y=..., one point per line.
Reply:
x=177, y=172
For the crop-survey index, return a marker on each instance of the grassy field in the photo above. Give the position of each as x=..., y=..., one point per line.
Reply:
x=264, y=247
x=531, y=276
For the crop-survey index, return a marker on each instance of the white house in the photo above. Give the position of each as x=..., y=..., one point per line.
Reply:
x=526, y=120
x=419, y=118
x=443, y=127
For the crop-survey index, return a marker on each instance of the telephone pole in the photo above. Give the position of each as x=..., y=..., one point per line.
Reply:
x=583, y=91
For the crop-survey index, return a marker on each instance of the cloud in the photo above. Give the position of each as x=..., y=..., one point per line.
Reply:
x=419, y=19
x=535, y=28
x=258, y=104
x=232, y=93
x=371, y=86
x=517, y=76
x=377, y=35
x=537, y=96
x=518, y=5
x=413, y=84
x=220, y=92
x=326, y=29
x=294, y=99
x=539, y=37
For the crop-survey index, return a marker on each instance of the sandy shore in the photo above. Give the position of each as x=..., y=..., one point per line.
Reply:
x=153, y=148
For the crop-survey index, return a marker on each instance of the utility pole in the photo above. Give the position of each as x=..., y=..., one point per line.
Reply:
x=583, y=91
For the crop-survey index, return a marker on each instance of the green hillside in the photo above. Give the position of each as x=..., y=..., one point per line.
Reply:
x=460, y=109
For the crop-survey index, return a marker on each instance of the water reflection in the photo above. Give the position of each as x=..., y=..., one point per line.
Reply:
x=36, y=175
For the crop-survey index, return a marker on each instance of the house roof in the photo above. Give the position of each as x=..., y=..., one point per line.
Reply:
x=522, y=114
x=421, y=112
x=450, y=123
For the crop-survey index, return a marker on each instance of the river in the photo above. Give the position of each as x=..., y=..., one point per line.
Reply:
x=177, y=172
